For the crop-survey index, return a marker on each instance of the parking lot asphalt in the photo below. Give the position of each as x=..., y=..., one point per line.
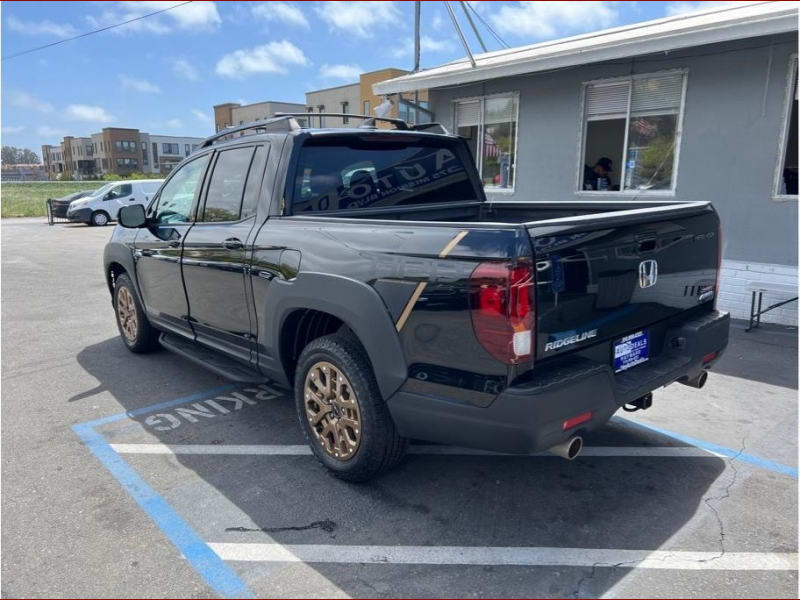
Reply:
x=145, y=476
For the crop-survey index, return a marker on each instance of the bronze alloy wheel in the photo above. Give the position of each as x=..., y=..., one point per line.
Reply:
x=126, y=313
x=332, y=410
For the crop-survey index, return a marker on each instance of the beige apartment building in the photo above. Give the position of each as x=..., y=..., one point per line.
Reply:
x=117, y=150
x=352, y=98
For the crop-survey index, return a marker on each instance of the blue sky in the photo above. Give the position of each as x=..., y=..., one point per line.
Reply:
x=164, y=73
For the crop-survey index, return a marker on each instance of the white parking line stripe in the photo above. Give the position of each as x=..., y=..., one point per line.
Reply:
x=527, y=556
x=303, y=450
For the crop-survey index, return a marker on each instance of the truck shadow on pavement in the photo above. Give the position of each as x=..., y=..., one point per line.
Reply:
x=621, y=502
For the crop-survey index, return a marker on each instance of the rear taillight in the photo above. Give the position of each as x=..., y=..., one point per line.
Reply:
x=719, y=264
x=502, y=297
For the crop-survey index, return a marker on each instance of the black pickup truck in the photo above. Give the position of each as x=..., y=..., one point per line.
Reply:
x=365, y=269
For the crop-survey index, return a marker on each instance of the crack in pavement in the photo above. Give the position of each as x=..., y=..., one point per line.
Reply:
x=726, y=494
x=707, y=500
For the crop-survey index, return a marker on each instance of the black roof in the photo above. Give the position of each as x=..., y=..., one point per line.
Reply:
x=285, y=123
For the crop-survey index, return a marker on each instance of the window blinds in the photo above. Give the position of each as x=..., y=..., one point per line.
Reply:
x=468, y=114
x=607, y=99
x=649, y=95
x=657, y=94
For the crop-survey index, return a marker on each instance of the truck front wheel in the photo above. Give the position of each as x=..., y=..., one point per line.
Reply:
x=341, y=410
x=134, y=328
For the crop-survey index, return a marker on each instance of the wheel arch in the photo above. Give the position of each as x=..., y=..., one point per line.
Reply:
x=337, y=302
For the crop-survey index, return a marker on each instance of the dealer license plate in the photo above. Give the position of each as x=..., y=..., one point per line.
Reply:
x=632, y=350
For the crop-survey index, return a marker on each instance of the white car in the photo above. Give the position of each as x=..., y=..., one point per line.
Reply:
x=103, y=204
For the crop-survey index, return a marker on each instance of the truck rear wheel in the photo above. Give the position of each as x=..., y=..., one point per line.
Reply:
x=341, y=410
x=136, y=331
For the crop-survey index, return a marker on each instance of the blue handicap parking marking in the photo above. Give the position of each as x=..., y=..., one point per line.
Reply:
x=218, y=575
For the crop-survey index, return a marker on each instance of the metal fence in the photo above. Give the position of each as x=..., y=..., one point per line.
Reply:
x=54, y=212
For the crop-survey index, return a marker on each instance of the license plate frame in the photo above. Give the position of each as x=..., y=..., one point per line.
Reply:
x=630, y=351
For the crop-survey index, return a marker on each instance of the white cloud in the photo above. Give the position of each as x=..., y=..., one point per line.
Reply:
x=140, y=85
x=552, y=19
x=202, y=117
x=47, y=131
x=679, y=8
x=174, y=123
x=13, y=128
x=275, y=57
x=25, y=100
x=438, y=22
x=91, y=114
x=340, y=71
x=426, y=44
x=62, y=30
x=358, y=18
x=197, y=16
x=185, y=69
x=283, y=12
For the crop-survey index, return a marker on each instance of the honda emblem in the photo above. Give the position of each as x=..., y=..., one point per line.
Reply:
x=648, y=273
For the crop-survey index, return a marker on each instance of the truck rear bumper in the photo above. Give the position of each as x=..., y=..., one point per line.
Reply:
x=529, y=417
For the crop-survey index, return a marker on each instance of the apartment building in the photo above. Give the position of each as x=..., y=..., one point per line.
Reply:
x=117, y=150
x=233, y=113
x=353, y=98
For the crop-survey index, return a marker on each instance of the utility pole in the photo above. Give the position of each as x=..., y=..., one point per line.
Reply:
x=417, y=6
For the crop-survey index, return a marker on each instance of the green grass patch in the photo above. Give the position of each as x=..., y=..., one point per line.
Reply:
x=28, y=199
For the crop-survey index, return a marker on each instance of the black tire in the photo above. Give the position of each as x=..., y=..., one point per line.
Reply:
x=380, y=447
x=139, y=336
x=99, y=218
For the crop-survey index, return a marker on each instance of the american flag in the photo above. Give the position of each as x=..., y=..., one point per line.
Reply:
x=490, y=148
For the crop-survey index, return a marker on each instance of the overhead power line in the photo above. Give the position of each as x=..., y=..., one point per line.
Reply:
x=106, y=28
x=489, y=27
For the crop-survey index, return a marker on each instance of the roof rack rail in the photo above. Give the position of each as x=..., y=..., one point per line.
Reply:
x=431, y=128
x=280, y=122
x=399, y=123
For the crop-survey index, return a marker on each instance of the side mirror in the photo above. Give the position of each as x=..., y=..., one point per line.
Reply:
x=132, y=216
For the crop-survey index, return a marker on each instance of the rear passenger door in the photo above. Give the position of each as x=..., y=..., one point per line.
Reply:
x=216, y=251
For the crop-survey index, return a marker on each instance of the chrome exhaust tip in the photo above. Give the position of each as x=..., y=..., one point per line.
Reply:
x=569, y=449
x=698, y=382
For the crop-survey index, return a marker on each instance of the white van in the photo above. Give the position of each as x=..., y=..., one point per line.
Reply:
x=103, y=204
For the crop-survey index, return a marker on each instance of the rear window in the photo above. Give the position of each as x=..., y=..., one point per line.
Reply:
x=380, y=171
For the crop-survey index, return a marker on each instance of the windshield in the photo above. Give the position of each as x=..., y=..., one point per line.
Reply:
x=336, y=173
x=103, y=190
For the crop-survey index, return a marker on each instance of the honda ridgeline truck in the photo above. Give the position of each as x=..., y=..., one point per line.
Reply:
x=365, y=269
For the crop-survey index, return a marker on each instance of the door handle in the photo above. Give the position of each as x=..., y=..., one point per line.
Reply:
x=174, y=243
x=233, y=244
x=144, y=252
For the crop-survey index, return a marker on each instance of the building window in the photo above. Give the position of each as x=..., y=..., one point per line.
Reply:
x=125, y=146
x=489, y=125
x=345, y=120
x=194, y=147
x=144, y=154
x=321, y=109
x=631, y=133
x=127, y=163
x=170, y=148
x=366, y=107
x=786, y=175
x=186, y=149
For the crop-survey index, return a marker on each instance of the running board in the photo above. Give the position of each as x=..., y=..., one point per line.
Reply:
x=210, y=359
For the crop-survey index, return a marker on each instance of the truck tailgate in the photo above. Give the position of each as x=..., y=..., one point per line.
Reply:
x=606, y=276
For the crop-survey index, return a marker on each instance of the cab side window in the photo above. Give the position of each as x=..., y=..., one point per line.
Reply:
x=120, y=191
x=176, y=198
x=227, y=185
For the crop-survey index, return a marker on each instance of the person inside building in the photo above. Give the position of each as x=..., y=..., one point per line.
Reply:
x=598, y=178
